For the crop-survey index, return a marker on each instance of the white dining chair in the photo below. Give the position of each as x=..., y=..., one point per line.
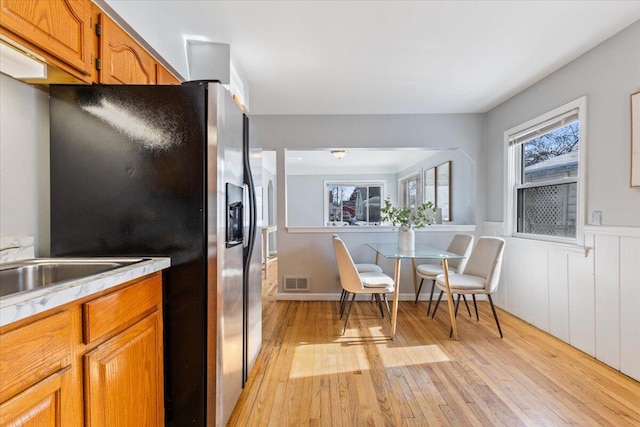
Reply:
x=362, y=268
x=353, y=282
x=461, y=244
x=481, y=275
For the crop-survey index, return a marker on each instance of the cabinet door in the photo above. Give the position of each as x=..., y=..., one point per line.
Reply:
x=39, y=405
x=123, y=377
x=122, y=59
x=58, y=27
x=164, y=77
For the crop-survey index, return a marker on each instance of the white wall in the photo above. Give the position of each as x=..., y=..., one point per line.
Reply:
x=311, y=254
x=588, y=297
x=24, y=162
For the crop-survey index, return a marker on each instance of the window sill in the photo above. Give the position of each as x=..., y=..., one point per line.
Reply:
x=468, y=228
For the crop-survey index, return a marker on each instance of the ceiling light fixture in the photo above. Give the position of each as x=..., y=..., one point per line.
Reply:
x=338, y=154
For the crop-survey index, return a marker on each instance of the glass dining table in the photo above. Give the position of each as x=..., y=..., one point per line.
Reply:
x=392, y=251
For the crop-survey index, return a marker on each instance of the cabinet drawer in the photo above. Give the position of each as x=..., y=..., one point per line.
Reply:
x=111, y=313
x=33, y=352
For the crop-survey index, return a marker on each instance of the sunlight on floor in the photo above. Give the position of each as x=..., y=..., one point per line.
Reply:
x=308, y=363
x=414, y=355
x=344, y=357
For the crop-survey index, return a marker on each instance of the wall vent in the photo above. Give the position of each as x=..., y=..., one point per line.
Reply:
x=292, y=283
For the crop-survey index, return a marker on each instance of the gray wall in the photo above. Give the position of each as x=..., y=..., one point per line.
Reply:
x=24, y=162
x=607, y=75
x=463, y=176
x=311, y=254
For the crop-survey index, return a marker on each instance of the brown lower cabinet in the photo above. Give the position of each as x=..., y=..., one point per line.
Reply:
x=94, y=362
x=39, y=405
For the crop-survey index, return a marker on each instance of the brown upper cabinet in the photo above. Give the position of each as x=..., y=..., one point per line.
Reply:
x=164, y=77
x=79, y=43
x=57, y=31
x=121, y=59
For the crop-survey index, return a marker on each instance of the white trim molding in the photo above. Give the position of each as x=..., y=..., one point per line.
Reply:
x=304, y=296
x=612, y=230
x=442, y=228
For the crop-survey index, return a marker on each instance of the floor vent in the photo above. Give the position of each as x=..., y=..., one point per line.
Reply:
x=296, y=283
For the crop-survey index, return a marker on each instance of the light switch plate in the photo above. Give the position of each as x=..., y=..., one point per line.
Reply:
x=596, y=218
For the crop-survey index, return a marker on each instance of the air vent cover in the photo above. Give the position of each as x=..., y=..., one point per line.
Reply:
x=292, y=283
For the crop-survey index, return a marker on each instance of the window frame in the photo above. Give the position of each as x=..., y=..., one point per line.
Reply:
x=403, y=189
x=513, y=171
x=350, y=183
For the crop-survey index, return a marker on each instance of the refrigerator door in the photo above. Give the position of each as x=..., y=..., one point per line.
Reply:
x=252, y=254
x=127, y=168
x=225, y=265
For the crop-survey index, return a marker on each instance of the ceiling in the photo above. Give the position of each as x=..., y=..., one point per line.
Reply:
x=382, y=57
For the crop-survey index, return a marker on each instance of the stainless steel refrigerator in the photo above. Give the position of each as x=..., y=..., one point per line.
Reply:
x=167, y=170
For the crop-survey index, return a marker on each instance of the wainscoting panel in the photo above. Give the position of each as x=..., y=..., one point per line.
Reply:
x=517, y=273
x=558, y=296
x=582, y=328
x=607, y=278
x=588, y=297
x=630, y=306
x=538, y=305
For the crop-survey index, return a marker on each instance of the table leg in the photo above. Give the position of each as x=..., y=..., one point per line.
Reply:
x=396, y=293
x=415, y=277
x=452, y=317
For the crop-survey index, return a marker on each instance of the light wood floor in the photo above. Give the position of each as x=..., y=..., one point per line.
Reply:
x=308, y=374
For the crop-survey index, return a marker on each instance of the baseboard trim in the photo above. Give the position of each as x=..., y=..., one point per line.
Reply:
x=293, y=296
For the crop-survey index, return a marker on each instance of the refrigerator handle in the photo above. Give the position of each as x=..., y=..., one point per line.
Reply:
x=250, y=225
x=251, y=194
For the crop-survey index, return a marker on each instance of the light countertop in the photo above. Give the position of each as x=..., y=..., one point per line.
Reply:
x=24, y=304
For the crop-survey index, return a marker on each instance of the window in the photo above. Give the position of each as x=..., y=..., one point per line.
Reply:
x=410, y=190
x=443, y=190
x=353, y=203
x=437, y=188
x=545, y=182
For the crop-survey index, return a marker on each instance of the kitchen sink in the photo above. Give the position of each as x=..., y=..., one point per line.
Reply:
x=37, y=273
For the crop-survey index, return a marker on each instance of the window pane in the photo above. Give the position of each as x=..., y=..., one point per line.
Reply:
x=430, y=185
x=552, y=156
x=412, y=190
x=373, y=204
x=443, y=189
x=362, y=194
x=548, y=210
x=340, y=208
x=354, y=204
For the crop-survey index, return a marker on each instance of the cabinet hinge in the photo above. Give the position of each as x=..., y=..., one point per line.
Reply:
x=98, y=64
x=98, y=30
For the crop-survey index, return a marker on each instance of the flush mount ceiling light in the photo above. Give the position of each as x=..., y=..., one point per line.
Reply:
x=338, y=154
